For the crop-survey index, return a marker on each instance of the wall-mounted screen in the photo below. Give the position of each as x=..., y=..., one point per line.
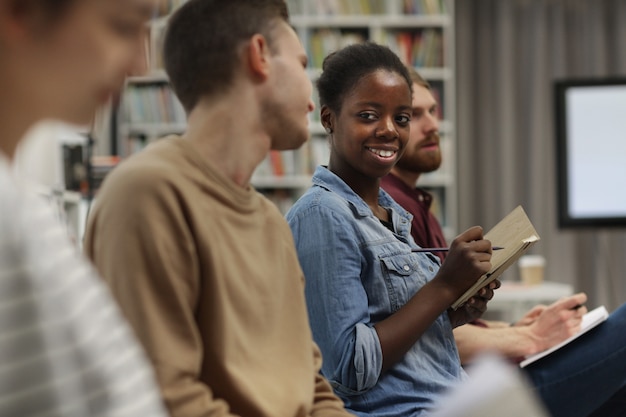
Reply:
x=591, y=152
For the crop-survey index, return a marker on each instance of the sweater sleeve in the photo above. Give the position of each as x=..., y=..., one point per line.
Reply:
x=140, y=242
x=326, y=403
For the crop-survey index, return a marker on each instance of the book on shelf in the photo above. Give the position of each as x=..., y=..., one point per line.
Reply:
x=285, y=163
x=324, y=41
x=417, y=47
x=428, y=49
x=346, y=7
x=590, y=320
x=428, y=7
x=365, y=7
x=516, y=234
x=276, y=162
x=152, y=103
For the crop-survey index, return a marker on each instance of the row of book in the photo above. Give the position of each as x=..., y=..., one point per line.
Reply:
x=365, y=7
x=338, y=7
x=324, y=41
x=151, y=103
x=302, y=161
x=424, y=7
x=293, y=163
x=419, y=48
x=283, y=163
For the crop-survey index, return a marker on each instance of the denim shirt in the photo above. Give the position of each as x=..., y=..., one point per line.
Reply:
x=358, y=273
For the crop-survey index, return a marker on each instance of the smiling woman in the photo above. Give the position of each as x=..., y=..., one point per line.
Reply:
x=380, y=128
x=377, y=309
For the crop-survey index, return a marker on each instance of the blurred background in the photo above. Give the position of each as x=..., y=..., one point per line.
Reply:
x=493, y=65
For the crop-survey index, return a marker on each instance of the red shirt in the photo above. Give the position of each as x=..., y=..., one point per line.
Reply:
x=425, y=227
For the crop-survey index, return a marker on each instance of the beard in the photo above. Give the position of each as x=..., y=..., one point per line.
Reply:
x=417, y=159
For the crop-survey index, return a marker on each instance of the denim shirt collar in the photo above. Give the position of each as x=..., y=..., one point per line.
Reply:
x=401, y=219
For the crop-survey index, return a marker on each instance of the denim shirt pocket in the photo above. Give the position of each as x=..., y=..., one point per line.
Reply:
x=403, y=278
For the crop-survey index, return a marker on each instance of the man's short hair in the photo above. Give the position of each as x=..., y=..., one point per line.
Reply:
x=203, y=39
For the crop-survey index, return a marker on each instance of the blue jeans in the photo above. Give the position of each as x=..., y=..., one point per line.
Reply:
x=586, y=374
x=614, y=407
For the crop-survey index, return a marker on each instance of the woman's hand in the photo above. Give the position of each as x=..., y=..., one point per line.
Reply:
x=475, y=307
x=468, y=259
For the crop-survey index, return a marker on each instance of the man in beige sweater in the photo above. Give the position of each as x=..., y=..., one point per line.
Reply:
x=202, y=265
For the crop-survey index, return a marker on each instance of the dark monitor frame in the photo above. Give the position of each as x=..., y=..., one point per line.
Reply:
x=565, y=220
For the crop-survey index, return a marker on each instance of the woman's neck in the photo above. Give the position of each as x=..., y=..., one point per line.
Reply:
x=366, y=188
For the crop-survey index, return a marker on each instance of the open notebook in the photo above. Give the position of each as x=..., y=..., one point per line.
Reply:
x=590, y=320
x=516, y=234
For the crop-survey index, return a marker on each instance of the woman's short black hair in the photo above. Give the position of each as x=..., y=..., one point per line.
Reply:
x=342, y=70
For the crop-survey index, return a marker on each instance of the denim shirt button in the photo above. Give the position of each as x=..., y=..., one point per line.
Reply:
x=430, y=268
x=406, y=267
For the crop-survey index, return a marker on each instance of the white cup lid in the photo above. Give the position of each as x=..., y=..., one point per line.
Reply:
x=532, y=260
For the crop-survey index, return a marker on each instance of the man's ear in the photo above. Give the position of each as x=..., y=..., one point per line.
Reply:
x=258, y=56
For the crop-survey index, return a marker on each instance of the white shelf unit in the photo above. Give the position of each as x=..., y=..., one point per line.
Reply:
x=284, y=176
x=148, y=111
x=427, y=30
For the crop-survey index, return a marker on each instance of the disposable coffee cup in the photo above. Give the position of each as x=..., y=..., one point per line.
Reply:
x=531, y=268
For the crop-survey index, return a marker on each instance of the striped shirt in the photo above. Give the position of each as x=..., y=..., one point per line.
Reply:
x=64, y=348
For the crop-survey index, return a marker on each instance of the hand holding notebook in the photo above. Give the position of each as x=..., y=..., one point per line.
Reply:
x=514, y=234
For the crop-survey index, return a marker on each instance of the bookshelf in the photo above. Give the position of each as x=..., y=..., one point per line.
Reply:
x=148, y=110
x=420, y=31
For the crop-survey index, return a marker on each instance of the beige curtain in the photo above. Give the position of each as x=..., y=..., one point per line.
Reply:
x=508, y=53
